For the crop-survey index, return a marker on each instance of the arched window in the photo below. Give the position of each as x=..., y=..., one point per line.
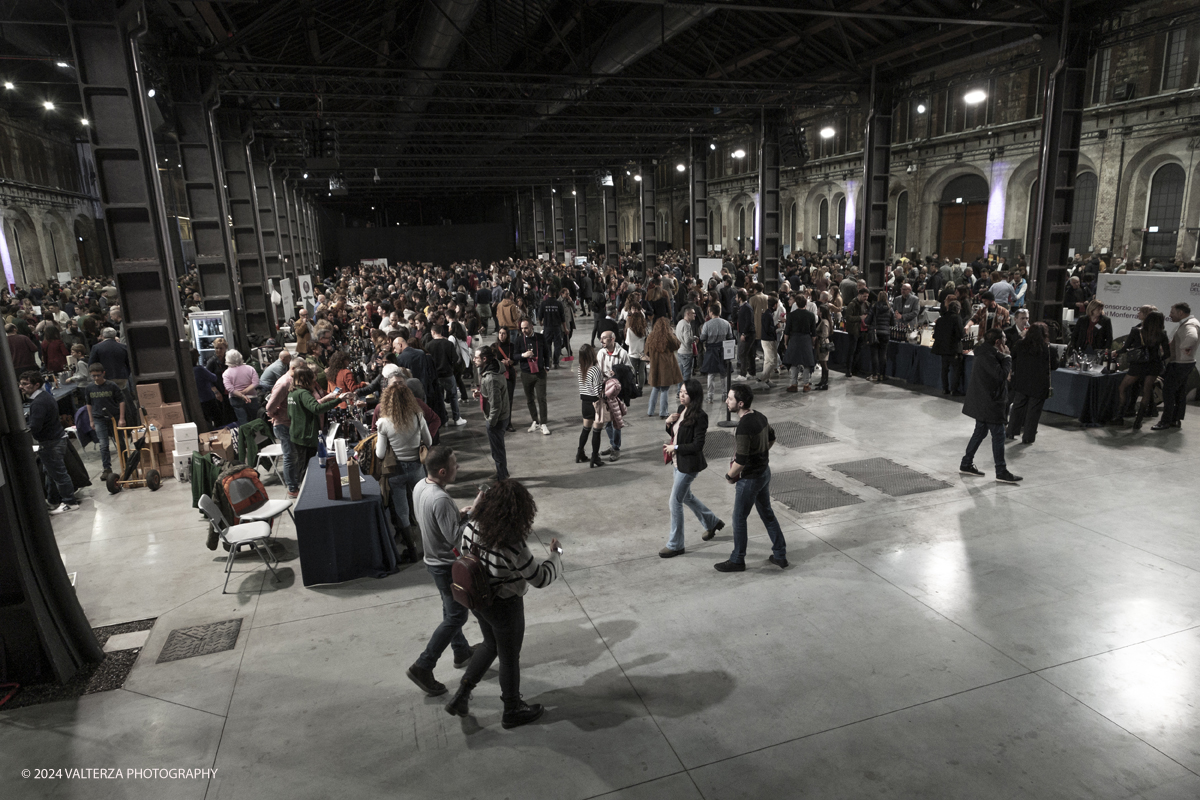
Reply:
x=841, y=225
x=1083, y=215
x=901, y=239
x=962, y=218
x=1163, y=213
x=742, y=229
x=823, y=226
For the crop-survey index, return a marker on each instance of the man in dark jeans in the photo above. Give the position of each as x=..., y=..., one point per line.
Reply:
x=987, y=403
x=531, y=348
x=48, y=432
x=444, y=355
x=1179, y=369
x=552, y=315
x=441, y=530
x=856, y=311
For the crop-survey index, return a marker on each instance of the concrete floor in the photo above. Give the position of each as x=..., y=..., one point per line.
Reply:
x=978, y=641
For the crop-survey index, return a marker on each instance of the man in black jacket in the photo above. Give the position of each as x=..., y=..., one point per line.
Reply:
x=48, y=432
x=987, y=401
x=531, y=348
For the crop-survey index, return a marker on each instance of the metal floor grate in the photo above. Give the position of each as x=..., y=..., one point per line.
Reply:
x=200, y=640
x=803, y=492
x=889, y=477
x=793, y=434
x=719, y=445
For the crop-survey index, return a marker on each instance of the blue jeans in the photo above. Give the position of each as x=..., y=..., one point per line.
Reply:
x=755, y=493
x=411, y=473
x=685, y=365
x=656, y=393
x=284, y=434
x=614, y=436
x=681, y=495
x=52, y=455
x=100, y=424
x=982, y=429
x=450, y=388
x=449, y=632
x=245, y=412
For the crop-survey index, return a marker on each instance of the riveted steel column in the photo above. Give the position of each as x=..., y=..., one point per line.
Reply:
x=204, y=186
x=239, y=189
x=560, y=228
x=314, y=237
x=871, y=233
x=612, y=244
x=539, y=223
x=104, y=38
x=581, y=218
x=264, y=200
x=1058, y=163
x=698, y=203
x=768, y=202
x=649, y=220
x=283, y=221
x=304, y=265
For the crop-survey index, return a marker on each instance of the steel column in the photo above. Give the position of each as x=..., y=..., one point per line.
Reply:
x=264, y=200
x=539, y=224
x=560, y=228
x=612, y=244
x=871, y=229
x=698, y=203
x=104, y=39
x=297, y=220
x=649, y=221
x=518, y=234
x=205, y=191
x=283, y=212
x=581, y=218
x=314, y=238
x=768, y=202
x=239, y=188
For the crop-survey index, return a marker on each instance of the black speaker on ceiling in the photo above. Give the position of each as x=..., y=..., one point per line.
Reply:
x=793, y=150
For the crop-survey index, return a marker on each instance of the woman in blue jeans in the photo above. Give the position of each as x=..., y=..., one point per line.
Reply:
x=687, y=427
x=402, y=431
x=661, y=347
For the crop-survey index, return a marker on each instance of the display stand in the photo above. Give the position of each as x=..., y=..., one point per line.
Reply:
x=730, y=353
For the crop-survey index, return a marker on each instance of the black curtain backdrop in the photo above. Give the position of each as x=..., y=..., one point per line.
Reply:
x=441, y=244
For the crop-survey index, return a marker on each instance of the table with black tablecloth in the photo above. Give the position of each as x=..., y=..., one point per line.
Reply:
x=1090, y=397
x=341, y=540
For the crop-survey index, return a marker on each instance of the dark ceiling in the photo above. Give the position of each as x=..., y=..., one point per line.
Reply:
x=442, y=97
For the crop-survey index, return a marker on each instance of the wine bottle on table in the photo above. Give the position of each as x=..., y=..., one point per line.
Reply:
x=333, y=479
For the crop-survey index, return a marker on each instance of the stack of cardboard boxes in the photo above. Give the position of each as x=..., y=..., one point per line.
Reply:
x=187, y=441
x=176, y=437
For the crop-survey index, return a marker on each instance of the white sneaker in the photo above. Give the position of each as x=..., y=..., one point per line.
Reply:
x=460, y=421
x=534, y=427
x=64, y=508
x=545, y=430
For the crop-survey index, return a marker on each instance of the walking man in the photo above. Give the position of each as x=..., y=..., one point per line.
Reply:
x=106, y=407
x=532, y=349
x=493, y=390
x=49, y=434
x=750, y=472
x=441, y=530
x=987, y=402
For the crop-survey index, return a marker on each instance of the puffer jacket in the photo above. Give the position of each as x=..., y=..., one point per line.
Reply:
x=612, y=398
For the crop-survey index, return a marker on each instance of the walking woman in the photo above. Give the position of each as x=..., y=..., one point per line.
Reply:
x=1147, y=357
x=798, y=352
x=879, y=324
x=506, y=352
x=635, y=337
x=1033, y=361
x=591, y=387
x=305, y=411
x=501, y=520
x=402, y=431
x=824, y=342
x=661, y=347
x=687, y=427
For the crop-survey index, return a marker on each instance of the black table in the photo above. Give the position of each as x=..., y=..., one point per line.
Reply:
x=341, y=540
x=1089, y=396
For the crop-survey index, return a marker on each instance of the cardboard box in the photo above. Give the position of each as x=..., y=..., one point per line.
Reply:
x=149, y=395
x=171, y=414
x=220, y=443
x=186, y=432
x=182, y=464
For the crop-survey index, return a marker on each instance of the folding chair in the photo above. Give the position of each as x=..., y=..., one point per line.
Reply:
x=245, y=534
x=272, y=452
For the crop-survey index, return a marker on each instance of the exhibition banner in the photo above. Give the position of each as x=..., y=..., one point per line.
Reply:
x=1123, y=295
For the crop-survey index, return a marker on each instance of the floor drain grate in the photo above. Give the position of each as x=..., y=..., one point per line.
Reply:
x=200, y=640
x=803, y=492
x=718, y=445
x=793, y=434
x=895, y=480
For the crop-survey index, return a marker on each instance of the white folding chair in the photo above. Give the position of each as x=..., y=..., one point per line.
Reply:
x=245, y=534
x=268, y=512
x=273, y=453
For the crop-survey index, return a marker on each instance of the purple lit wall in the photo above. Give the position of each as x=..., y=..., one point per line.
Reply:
x=9, y=278
x=995, y=214
x=851, y=189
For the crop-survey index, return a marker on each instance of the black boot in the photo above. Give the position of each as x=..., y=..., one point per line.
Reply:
x=596, y=461
x=580, y=456
x=458, y=704
x=521, y=714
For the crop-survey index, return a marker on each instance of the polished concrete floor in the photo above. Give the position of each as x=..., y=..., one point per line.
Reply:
x=977, y=641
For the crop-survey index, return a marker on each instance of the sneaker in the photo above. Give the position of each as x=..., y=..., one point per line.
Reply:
x=614, y=455
x=729, y=566
x=521, y=715
x=424, y=678
x=792, y=389
x=970, y=469
x=1007, y=477
x=292, y=495
x=533, y=428
x=667, y=552
x=711, y=532
x=63, y=508
x=460, y=422
x=607, y=452
x=768, y=384
x=545, y=430
x=462, y=663
x=779, y=562
x=104, y=476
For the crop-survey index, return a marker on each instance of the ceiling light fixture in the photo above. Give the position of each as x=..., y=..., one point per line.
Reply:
x=150, y=93
x=975, y=96
x=64, y=65
x=739, y=153
x=680, y=168
x=9, y=85
x=712, y=146
x=572, y=192
x=84, y=122
x=637, y=178
x=828, y=133
x=49, y=106
x=920, y=108
x=305, y=175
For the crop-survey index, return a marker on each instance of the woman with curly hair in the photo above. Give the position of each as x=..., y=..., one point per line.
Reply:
x=402, y=430
x=500, y=522
x=340, y=375
x=661, y=347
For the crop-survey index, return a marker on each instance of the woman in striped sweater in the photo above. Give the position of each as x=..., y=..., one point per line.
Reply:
x=501, y=520
x=591, y=386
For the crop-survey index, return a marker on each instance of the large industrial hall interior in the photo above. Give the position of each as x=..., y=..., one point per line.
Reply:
x=871, y=323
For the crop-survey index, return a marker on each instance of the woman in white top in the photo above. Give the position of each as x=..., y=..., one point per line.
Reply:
x=636, y=330
x=402, y=430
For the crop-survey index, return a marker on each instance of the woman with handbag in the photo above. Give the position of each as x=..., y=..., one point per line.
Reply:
x=1033, y=361
x=506, y=352
x=661, y=347
x=591, y=386
x=687, y=427
x=402, y=434
x=500, y=523
x=1149, y=352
